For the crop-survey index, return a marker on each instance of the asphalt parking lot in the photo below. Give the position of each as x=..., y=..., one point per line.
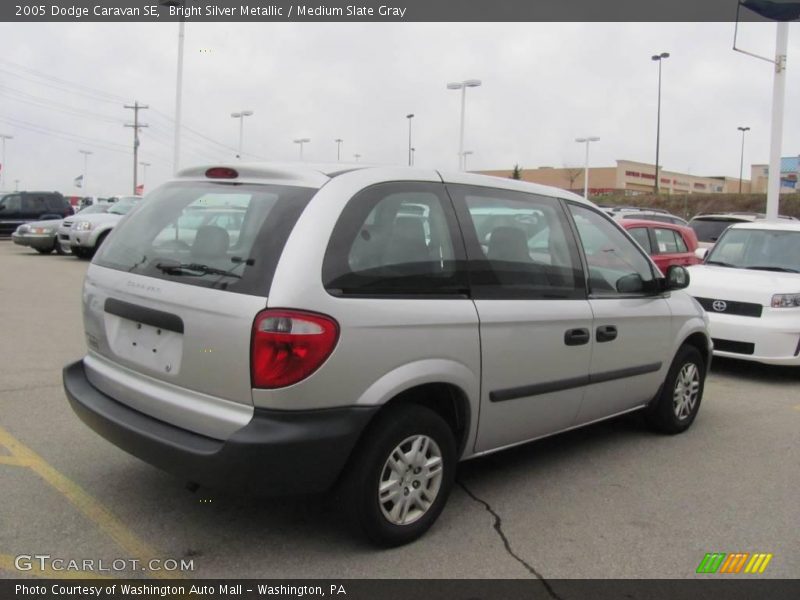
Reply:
x=610, y=501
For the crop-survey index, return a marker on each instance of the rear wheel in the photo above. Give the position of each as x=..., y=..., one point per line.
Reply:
x=675, y=408
x=401, y=474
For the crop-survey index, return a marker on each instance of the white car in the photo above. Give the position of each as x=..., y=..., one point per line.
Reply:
x=84, y=234
x=750, y=286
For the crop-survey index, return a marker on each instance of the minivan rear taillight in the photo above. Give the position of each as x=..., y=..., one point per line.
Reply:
x=289, y=345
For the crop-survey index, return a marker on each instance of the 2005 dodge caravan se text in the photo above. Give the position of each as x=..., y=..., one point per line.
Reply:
x=297, y=329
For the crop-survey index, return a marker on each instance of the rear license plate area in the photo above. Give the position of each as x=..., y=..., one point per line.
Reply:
x=152, y=347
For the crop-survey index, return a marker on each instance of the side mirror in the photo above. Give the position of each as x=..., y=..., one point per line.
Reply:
x=677, y=278
x=701, y=253
x=630, y=284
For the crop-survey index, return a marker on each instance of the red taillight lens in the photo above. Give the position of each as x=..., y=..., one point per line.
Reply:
x=221, y=173
x=288, y=346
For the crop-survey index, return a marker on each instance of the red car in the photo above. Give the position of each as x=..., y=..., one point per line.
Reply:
x=667, y=244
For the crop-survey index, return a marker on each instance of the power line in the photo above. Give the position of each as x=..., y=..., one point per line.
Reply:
x=64, y=82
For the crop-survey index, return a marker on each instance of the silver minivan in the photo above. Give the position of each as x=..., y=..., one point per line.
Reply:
x=286, y=328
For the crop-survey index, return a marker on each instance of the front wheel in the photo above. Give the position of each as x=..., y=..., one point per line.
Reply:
x=675, y=408
x=401, y=474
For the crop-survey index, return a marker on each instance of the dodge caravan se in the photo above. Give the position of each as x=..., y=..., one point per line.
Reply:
x=367, y=328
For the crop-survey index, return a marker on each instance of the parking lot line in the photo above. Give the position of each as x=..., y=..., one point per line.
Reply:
x=7, y=564
x=12, y=461
x=85, y=503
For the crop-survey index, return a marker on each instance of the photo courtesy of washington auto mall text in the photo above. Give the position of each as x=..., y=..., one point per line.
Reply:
x=399, y=299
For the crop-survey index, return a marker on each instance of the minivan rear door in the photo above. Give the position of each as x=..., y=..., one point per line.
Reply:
x=171, y=296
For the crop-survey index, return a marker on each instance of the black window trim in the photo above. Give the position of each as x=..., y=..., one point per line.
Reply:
x=472, y=244
x=461, y=286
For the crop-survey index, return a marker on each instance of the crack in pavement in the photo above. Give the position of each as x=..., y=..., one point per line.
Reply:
x=498, y=527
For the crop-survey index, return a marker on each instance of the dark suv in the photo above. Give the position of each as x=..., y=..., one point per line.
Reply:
x=21, y=207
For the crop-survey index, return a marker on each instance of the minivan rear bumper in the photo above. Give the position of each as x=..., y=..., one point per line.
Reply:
x=278, y=452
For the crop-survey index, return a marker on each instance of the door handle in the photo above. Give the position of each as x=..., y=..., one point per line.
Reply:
x=606, y=333
x=576, y=337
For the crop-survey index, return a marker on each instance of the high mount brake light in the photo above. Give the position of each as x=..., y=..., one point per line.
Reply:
x=221, y=173
x=287, y=346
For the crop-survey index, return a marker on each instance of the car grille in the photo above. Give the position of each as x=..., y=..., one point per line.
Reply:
x=731, y=307
x=67, y=224
x=733, y=347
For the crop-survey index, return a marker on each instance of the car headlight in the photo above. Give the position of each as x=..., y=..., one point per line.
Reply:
x=785, y=300
x=83, y=226
x=41, y=230
x=23, y=229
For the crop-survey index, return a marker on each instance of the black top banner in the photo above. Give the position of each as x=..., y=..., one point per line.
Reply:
x=380, y=10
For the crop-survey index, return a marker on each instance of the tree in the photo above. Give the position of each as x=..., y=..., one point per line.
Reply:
x=572, y=174
x=516, y=173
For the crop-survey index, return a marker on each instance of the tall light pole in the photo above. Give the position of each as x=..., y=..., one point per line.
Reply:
x=659, y=58
x=587, y=141
x=302, y=141
x=144, y=166
x=465, y=154
x=176, y=144
x=409, y=117
x=462, y=85
x=741, y=160
x=3, y=167
x=338, y=147
x=241, y=115
x=413, y=150
x=86, y=154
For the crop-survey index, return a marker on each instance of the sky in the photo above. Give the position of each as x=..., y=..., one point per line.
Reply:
x=63, y=87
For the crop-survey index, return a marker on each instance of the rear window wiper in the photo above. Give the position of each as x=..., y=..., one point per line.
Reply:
x=198, y=269
x=778, y=269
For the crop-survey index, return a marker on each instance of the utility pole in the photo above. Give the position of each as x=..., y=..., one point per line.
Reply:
x=3, y=169
x=136, y=126
x=86, y=154
x=144, y=172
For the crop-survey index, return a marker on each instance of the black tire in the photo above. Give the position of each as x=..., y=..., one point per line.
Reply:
x=44, y=250
x=359, y=486
x=665, y=414
x=98, y=243
x=60, y=249
x=80, y=253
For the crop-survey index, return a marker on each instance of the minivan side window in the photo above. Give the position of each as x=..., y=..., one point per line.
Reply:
x=395, y=239
x=641, y=235
x=34, y=204
x=613, y=261
x=519, y=245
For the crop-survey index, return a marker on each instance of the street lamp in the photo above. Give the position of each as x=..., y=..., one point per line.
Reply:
x=4, y=137
x=741, y=160
x=409, y=117
x=659, y=58
x=241, y=115
x=302, y=141
x=462, y=85
x=338, y=147
x=465, y=154
x=176, y=144
x=144, y=166
x=86, y=154
x=587, y=141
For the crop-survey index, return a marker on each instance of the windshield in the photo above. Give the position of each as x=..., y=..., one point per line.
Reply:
x=208, y=234
x=760, y=249
x=94, y=208
x=709, y=230
x=122, y=207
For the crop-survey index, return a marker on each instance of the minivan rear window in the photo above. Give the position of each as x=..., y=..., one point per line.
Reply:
x=209, y=234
